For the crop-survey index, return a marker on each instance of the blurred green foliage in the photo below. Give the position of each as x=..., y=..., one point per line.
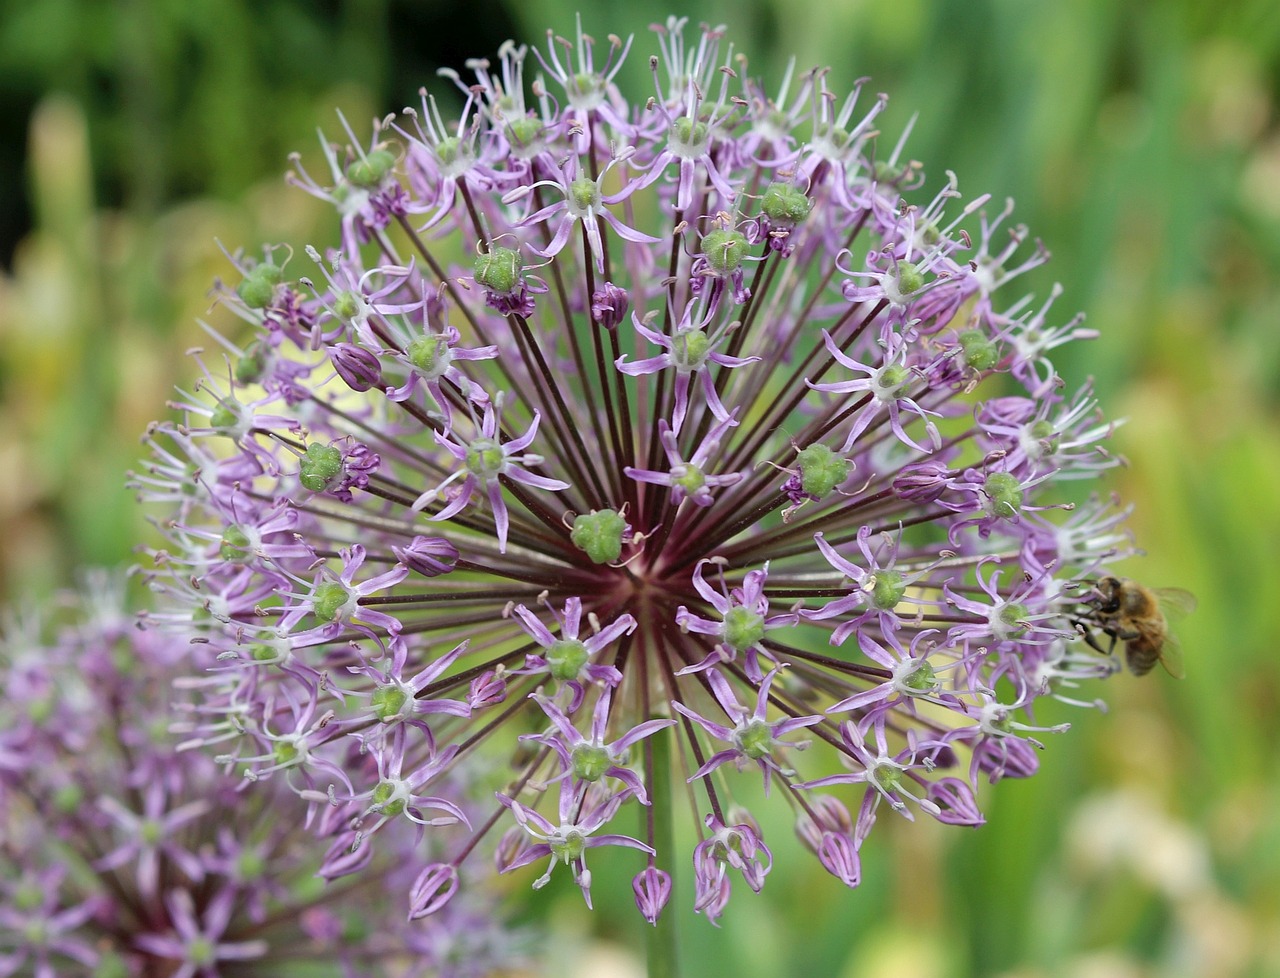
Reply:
x=1142, y=145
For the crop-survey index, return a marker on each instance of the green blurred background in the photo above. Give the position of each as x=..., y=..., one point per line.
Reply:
x=1142, y=143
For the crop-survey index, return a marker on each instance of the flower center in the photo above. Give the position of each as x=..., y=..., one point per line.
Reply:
x=485, y=459
x=754, y=739
x=743, y=628
x=566, y=658
x=590, y=762
x=568, y=845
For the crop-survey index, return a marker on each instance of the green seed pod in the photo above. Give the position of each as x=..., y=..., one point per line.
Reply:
x=687, y=134
x=523, y=134
x=584, y=193
x=369, y=171
x=724, y=250
x=821, y=470
x=691, y=480
x=251, y=366
x=599, y=533
x=1005, y=494
x=689, y=349
x=500, y=270
x=259, y=287
x=387, y=702
x=319, y=466
x=223, y=419
x=485, y=459
x=922, y=679
x=1046, y=438
x=1012, y=619
x=910, y=279
x=385, y=800
x=346, y=306
x=785, y=205
x=980, y=353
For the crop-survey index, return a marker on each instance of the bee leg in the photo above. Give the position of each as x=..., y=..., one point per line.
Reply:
x=1091, y=639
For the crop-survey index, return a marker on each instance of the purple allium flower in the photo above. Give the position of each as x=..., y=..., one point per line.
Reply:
x=122, y=855
x=825, y=394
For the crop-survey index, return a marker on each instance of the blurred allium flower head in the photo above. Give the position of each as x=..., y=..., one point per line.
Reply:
x=686, y=434
x=122, y=856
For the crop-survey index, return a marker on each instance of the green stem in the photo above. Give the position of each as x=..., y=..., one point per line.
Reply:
x=661, y=943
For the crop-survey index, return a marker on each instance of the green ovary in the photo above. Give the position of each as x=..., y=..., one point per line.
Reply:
x=570, y=847
x=743, y=628
x=1005, y=494
x=319, y=466
x=590, y=762
x=584, y=193
x=387, y=702
x=755, y=740
x=888, y=590
x=329, y=599
x=385, y=800
x=566, y=657
x=690, y=480
x=821, y=470
x=689, y=349
x=499, y=270
x=485, y=459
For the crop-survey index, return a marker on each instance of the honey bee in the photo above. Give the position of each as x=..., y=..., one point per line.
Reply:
x=1135, y=614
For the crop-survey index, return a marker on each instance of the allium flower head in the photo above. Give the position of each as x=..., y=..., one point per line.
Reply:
x=728, y=442
x=122, y=855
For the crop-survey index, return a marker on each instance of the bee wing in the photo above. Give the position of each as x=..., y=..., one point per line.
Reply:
x=1171, y=658
x=1175, y=601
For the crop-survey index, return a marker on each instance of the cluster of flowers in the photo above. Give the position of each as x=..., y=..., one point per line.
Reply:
x=631, y=438
x=122, y=856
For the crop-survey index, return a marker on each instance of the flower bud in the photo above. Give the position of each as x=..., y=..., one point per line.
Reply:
x=609, y=305
x=428, y=556
x=434, y=887
x=921, y=482
x=346, y=855
x=513, y=844
x=487, y=689
x=1008, y=757
x=652, y=888
x=356, y=365
x=839, y=857
x=956, y=802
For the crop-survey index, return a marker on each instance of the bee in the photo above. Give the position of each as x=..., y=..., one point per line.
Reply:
x=1135, y=614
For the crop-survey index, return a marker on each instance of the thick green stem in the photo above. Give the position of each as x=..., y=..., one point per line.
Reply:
x=661, y=945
